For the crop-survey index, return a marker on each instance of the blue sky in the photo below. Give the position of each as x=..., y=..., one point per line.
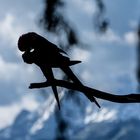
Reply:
x=111, y=59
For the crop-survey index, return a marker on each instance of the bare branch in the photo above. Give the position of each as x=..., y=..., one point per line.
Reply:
x=130, y=98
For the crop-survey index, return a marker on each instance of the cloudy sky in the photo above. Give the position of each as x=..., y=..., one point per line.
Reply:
x=109, y=64
x=16, y=17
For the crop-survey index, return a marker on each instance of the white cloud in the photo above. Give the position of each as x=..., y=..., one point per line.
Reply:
x=88, y=6
x=130, y=38
x=7, y=70
x=9, y=112
x=28, y=102
x=10, y=31
x=103, y=115
x=109, y=37
x=80, y=54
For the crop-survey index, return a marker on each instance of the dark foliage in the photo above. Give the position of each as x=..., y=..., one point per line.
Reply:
x=54, y=21
x=101, y=23
x=61, y=127
x=138, y=57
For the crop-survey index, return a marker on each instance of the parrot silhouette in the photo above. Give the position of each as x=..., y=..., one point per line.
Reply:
x=38, y=50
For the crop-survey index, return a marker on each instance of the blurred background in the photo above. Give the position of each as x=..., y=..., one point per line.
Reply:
x=104, y=35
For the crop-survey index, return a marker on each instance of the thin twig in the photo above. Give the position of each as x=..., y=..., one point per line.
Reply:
x=130, y=98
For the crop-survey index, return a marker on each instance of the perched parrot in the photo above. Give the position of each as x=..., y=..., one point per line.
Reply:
x=38, y=50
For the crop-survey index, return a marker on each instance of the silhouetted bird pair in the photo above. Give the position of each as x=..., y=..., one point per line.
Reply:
x=47, y=55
